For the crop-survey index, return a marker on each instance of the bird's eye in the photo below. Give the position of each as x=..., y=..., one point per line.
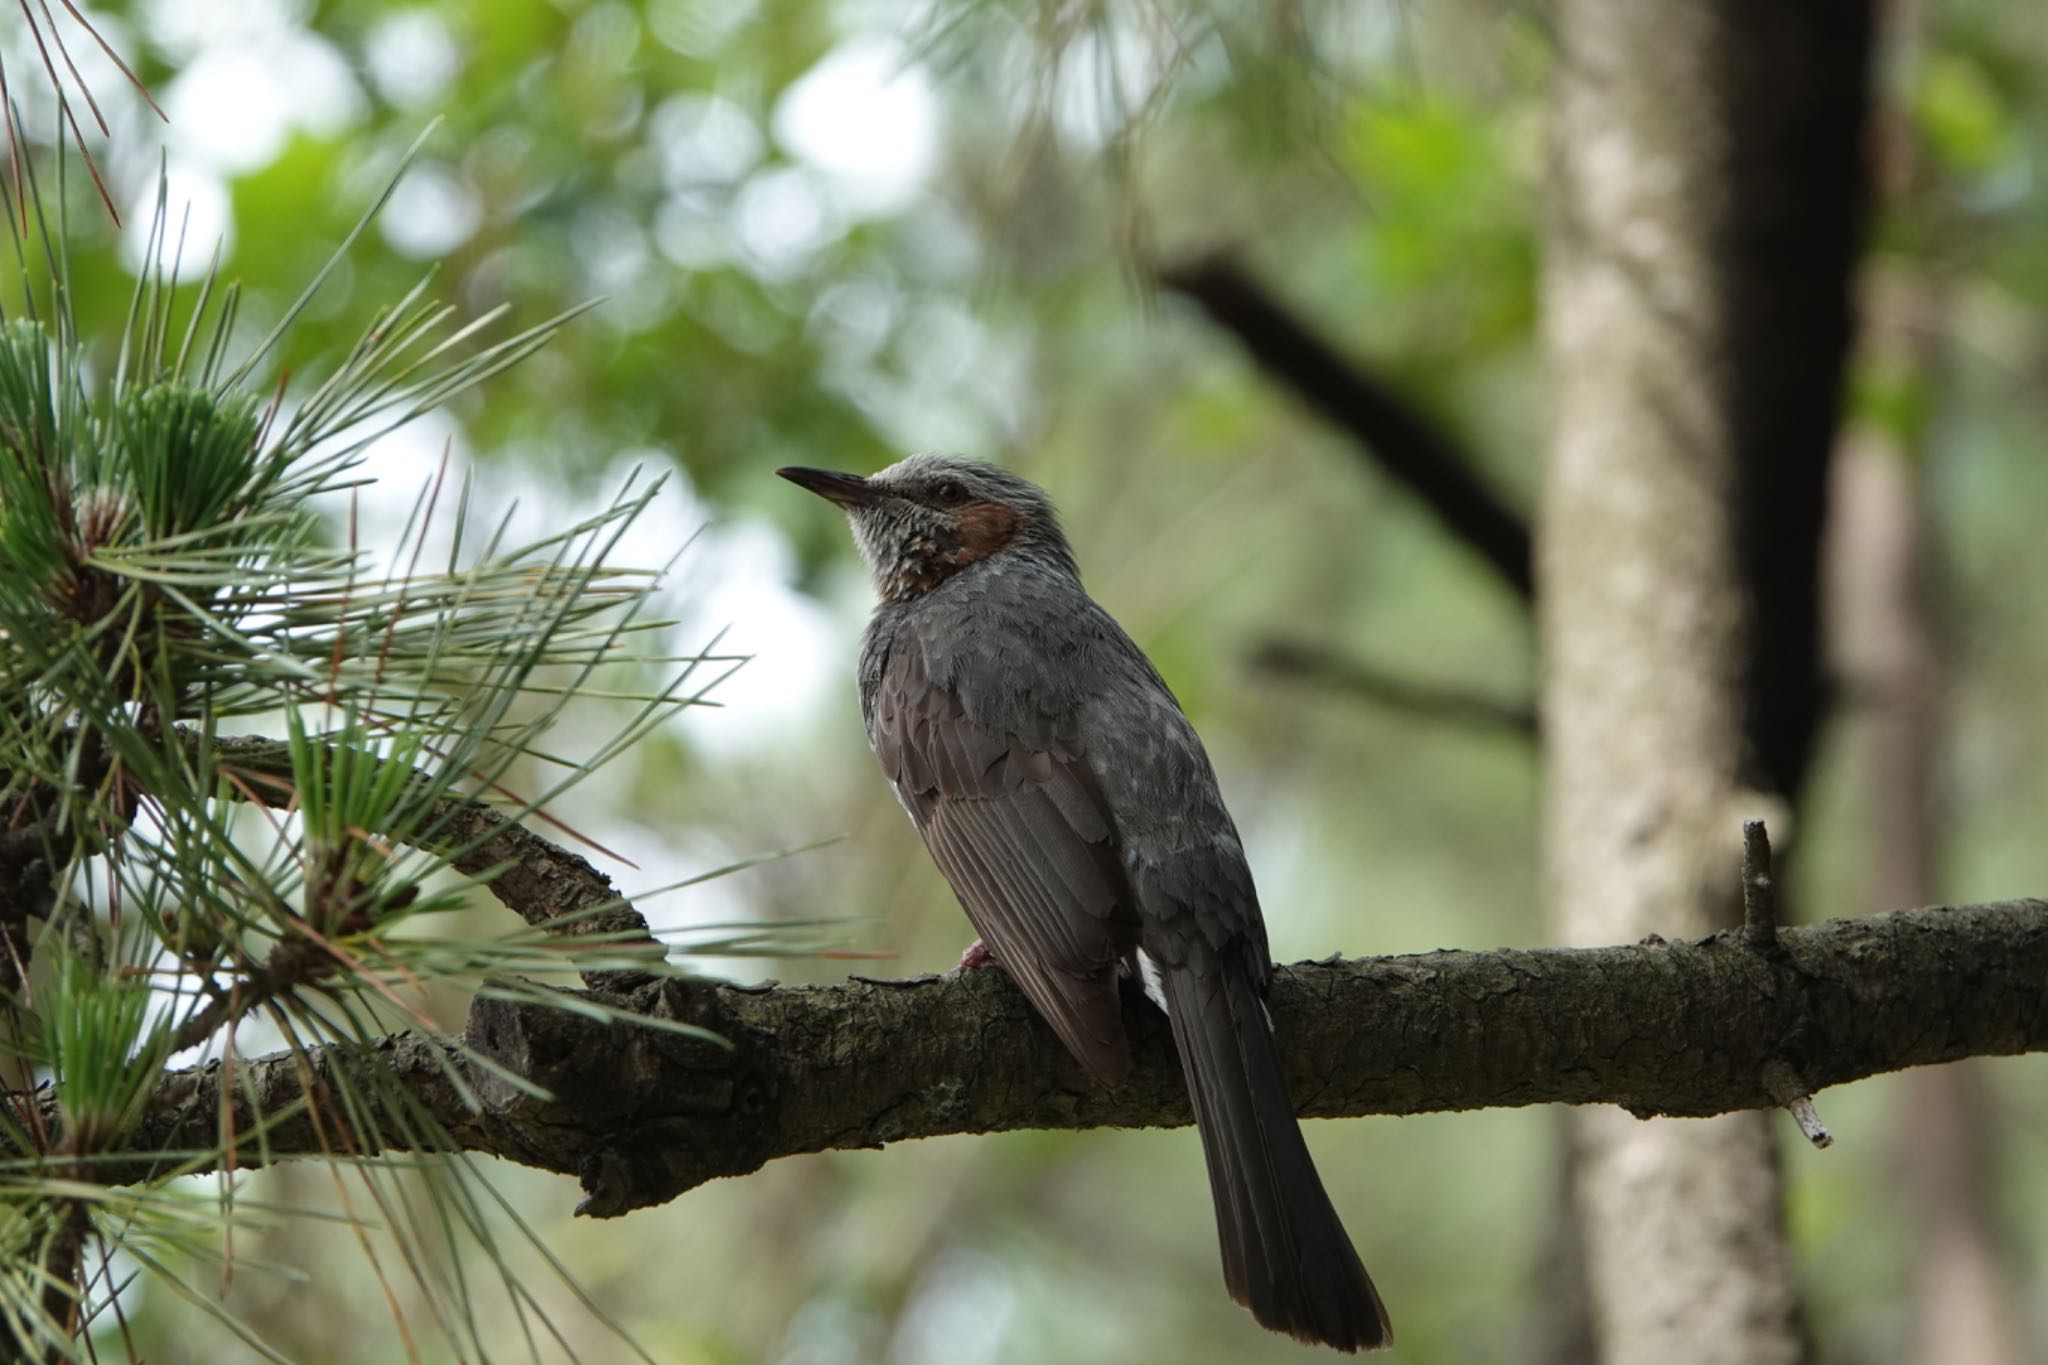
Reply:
x=949, y=492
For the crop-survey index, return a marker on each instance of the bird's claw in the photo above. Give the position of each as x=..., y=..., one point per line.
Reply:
x=977, y=957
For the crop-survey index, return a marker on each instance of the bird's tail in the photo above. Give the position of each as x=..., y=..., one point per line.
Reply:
x=1286, y=1255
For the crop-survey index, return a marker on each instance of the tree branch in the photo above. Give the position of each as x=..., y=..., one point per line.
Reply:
x=1410, y=447
x=537, y=879
x=641, y=1115
x=1423, y=700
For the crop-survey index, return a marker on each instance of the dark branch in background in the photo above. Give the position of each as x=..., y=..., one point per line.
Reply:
x=1400, y=438
x=1429, y=701
x=640, y=1115
x=1795, y=186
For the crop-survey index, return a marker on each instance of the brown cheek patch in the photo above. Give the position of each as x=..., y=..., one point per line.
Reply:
x=985, y=527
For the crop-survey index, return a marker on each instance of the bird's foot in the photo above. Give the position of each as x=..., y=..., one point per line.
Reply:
x=977, y=957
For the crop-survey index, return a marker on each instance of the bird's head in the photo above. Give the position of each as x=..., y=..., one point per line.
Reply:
x=923, y=519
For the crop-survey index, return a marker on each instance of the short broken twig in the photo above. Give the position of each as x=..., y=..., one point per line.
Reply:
x=1759, y=892
x=1795, y=1095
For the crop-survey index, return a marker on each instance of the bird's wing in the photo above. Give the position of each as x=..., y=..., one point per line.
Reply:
x=1026, y=840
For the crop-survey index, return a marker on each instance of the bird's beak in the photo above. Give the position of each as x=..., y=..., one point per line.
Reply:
x=848, y=490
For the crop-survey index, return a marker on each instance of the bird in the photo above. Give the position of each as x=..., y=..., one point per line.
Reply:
x=1068, y=801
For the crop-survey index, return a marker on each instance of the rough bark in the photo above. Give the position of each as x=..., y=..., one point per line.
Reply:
x=642, y=1115
x=1706, y=191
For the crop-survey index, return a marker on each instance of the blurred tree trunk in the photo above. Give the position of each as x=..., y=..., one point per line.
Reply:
x=1885, y=643
x=1558, y=1327
x=1886, y=646
x=1707, y=190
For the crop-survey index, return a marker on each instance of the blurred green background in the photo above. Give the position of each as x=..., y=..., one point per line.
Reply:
x=831, y=233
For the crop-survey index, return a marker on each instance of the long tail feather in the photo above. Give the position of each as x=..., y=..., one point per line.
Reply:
x=1286, y=1255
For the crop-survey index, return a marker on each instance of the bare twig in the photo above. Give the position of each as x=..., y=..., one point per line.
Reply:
x=1326, y=667
x=1759, y=892
x=1792, y=1094
x=1808, y=1119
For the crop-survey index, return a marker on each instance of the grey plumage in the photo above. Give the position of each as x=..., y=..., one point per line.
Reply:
x=1071, y=806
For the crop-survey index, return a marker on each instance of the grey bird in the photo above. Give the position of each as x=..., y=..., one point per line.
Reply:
x=1069, y=803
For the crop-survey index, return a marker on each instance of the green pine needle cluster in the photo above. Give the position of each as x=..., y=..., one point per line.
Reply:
x=167, y=581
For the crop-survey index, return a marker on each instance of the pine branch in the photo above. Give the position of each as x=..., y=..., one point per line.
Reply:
x=642, y=1115
x=542, y=882
x=164, y=572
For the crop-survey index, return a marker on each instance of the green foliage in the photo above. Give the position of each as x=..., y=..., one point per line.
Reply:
x=102, y=1050
x=1966, y=120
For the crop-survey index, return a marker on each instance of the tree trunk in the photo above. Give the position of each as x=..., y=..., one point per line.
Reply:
x=1707, y=186
x=1886, y=649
